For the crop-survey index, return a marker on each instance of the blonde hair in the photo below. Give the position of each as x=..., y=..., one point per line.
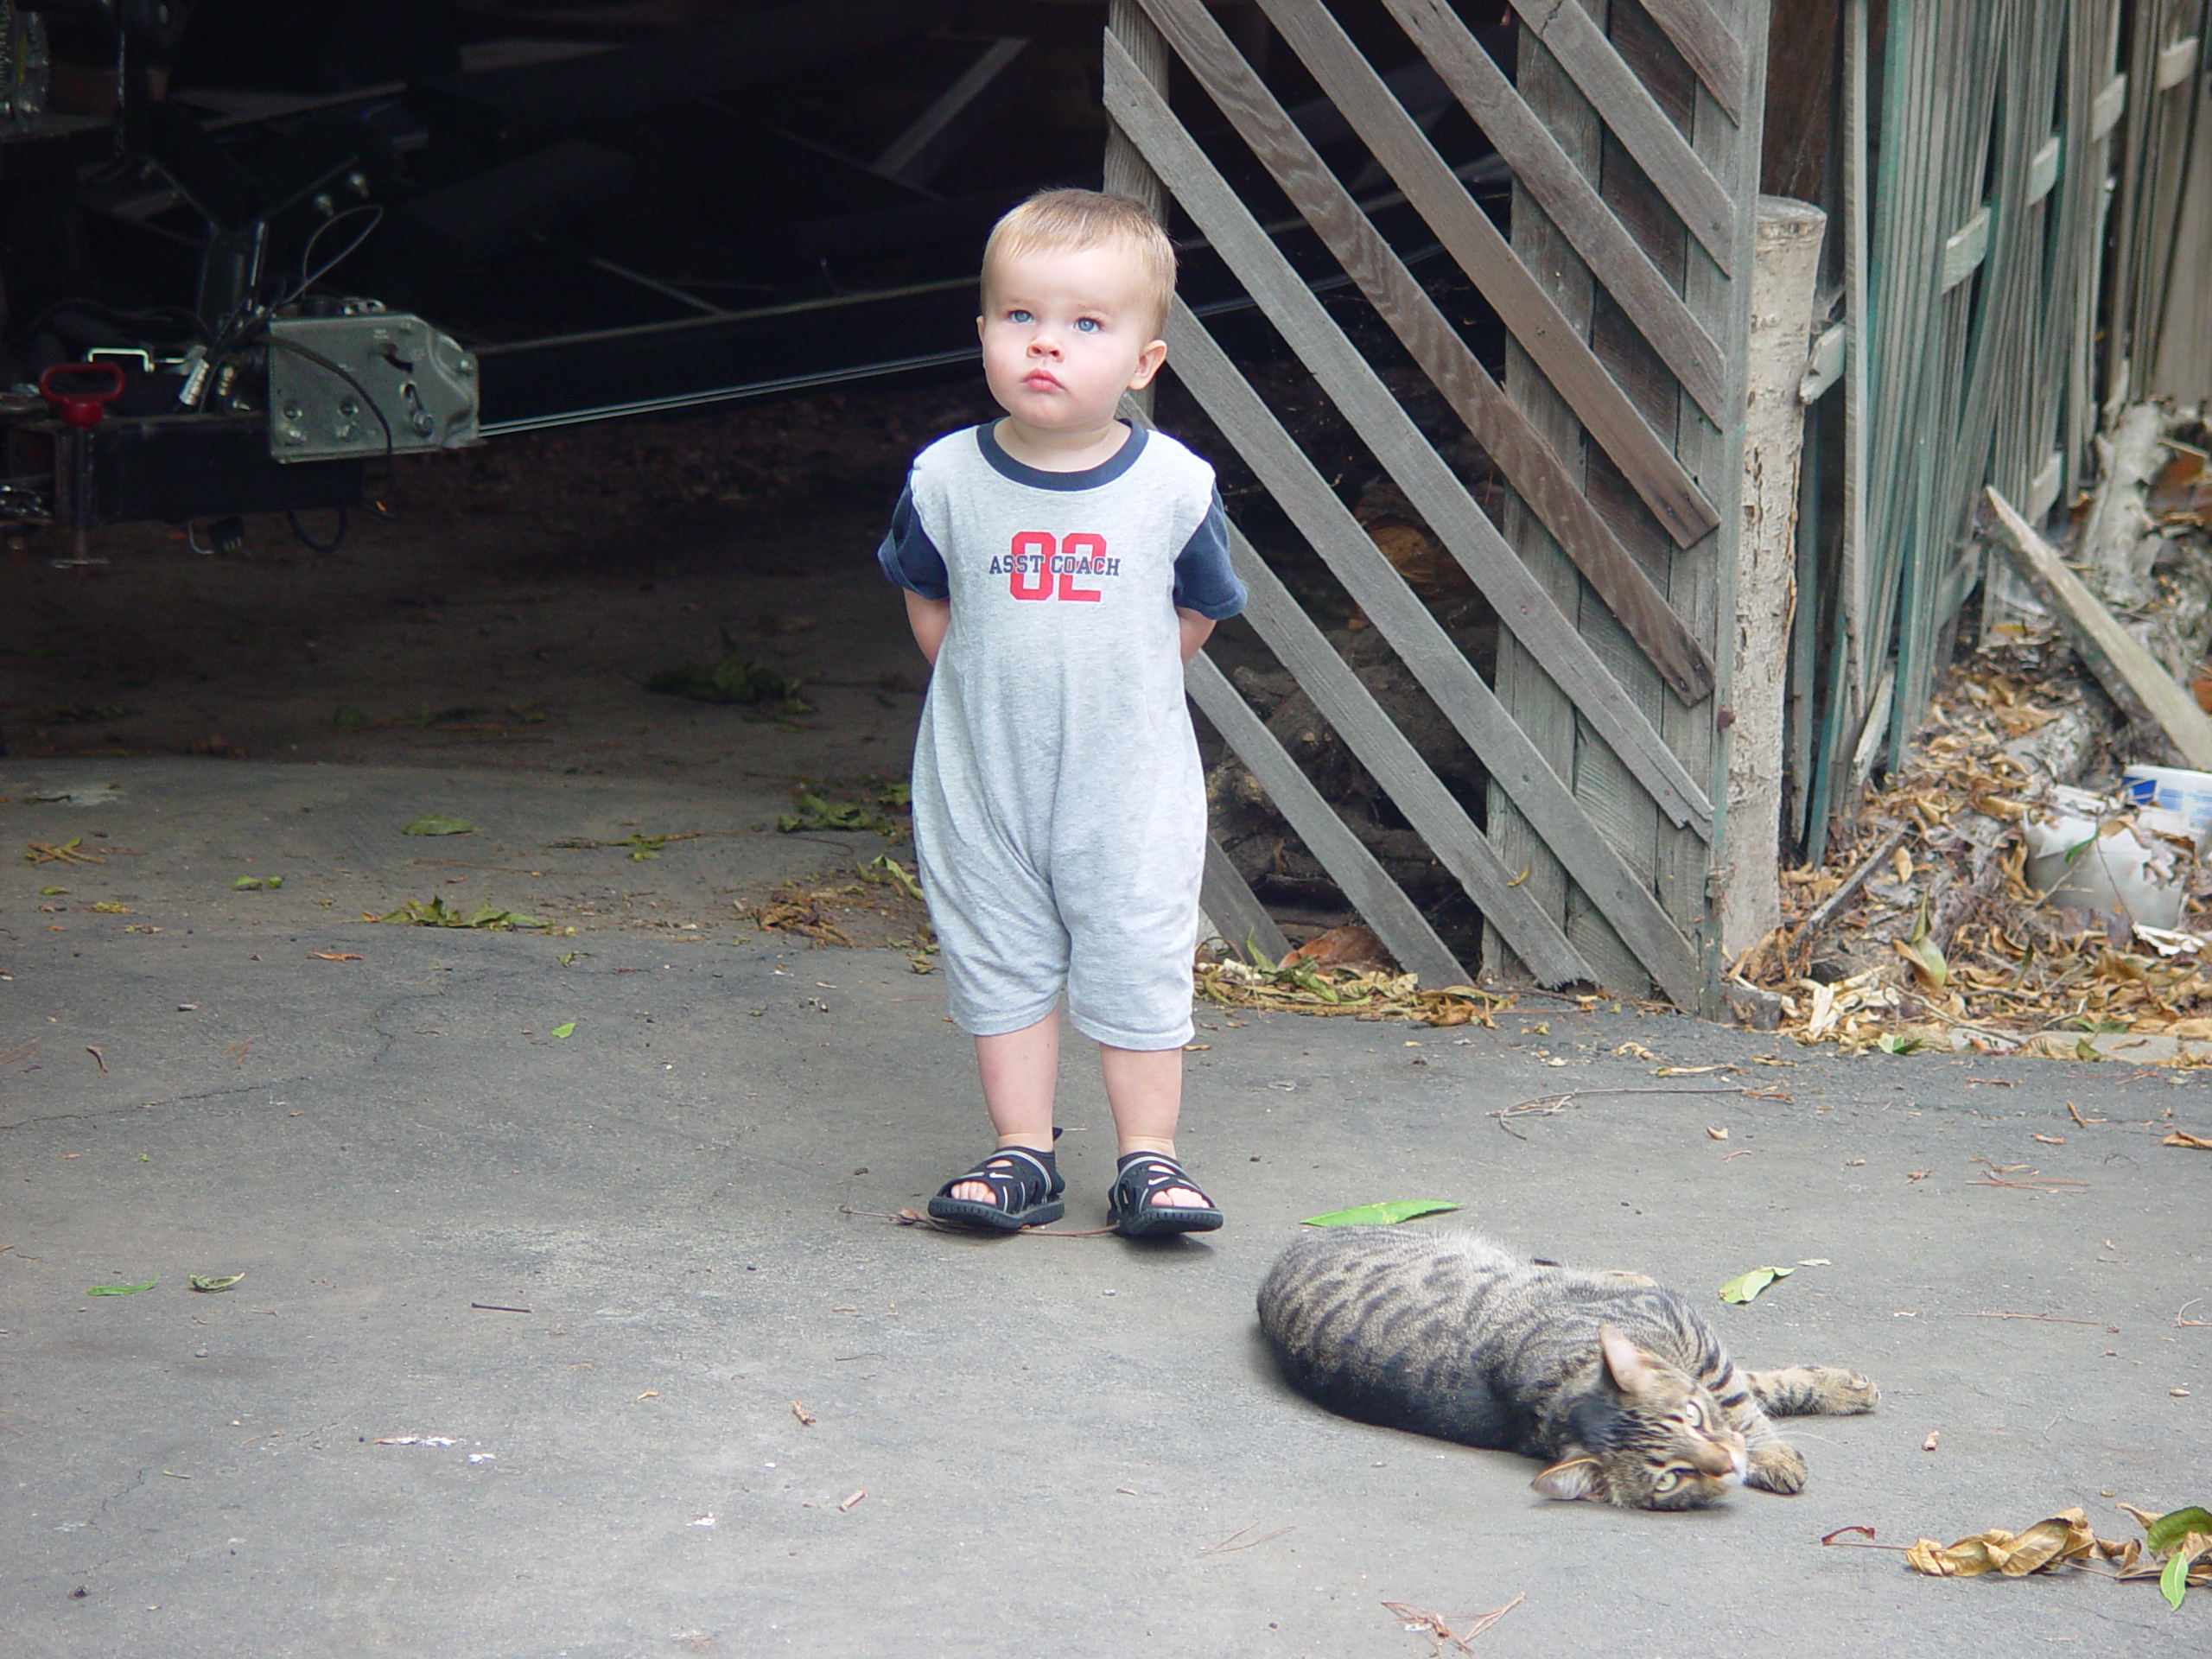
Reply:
x=1075, y=220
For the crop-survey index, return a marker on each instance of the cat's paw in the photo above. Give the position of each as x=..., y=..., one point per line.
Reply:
x=1775, y=1468
x=1849, y=1393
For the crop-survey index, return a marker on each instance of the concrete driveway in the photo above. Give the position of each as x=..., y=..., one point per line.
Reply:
x=601, y=1344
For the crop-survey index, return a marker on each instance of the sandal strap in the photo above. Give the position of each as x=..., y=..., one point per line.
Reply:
x=1160, y=1173
x=1003, y=1172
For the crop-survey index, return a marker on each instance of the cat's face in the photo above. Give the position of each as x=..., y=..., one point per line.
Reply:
x=1657, y=1440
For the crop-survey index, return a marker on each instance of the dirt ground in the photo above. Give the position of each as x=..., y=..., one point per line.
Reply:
x=510, y=610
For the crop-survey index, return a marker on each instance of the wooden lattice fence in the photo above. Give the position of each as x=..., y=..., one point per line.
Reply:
x=1632, y=132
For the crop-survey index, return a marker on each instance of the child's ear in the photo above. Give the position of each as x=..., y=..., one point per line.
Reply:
x=979, y=327
x=1149, y=362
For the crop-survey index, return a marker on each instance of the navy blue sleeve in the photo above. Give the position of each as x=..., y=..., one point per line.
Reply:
x=1203, y=581
x=908, y=558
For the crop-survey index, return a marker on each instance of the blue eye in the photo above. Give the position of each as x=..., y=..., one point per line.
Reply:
x=1018, y=315
x=1087, y=325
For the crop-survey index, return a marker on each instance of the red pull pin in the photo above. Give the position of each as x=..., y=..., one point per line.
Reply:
x=80, y=406
x=83, y=404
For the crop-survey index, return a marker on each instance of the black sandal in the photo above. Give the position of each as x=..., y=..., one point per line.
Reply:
x=1025, y=1188
x=1144, y=1176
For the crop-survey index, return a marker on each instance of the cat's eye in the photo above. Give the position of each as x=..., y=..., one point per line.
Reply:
x=1667, y=1482
x=1693, y=1415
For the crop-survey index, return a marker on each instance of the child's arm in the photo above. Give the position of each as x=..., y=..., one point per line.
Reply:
x=928, y=618
x=1196, y=629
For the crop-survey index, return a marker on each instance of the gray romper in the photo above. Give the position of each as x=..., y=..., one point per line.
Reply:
x=1060, y=811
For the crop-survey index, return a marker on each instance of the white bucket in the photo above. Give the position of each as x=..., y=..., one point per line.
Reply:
x=2189, y=793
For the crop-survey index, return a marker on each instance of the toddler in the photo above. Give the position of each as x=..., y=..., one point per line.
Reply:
x=1060, y=568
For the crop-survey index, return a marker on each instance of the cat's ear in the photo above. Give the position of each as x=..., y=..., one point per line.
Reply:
x=1625, y=1362
x=1567, y=1481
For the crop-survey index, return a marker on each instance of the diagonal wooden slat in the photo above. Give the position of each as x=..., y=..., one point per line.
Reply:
x=1233, y=907
x=1567, y=195
x=1369, y=733
x=1431, y=656
x=1529, y=463
x=1708, y=46
x=1381, y=904
x=1522, y=604
x=1638, y=122
x=1459, y=223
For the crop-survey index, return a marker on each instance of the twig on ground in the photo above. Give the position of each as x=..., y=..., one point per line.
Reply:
x=2178, y=1311
x=1836, y=1541
x=1441, y=1632
x=2078, y=1118
x=1229, y=1545
x=2045, y=1318
x=2051, y=1186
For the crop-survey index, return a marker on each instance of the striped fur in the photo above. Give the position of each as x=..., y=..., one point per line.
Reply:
x=1619, y=1383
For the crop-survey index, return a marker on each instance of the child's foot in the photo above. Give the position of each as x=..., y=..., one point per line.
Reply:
x=1152, y=1196
x=1014, y=1187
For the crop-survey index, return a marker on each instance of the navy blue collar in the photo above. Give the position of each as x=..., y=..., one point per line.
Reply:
x=987, y=440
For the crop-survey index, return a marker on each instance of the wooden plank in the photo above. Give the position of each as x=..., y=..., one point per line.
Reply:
x=1965, y=248
x=1439, y=664
x=1542, y=710
x=1702, y=581
x=1638, y=122
x=2125, y=668
x=1460, y=224
x=1824, y=363
x=1381, y=904
x=1435, y=492
x=1387, y=753
x=1708, y=47
x=1233, y=908
x=1567, y=195
x=2111, y=104
x=2043, y=171
x=1529, y=463
x=2174, y=64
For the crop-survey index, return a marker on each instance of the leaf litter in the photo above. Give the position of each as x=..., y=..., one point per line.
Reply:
x=2176, y=1549
x=2007, y=974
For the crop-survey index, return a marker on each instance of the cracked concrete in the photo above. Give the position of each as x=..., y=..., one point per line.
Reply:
x=1052, y=1435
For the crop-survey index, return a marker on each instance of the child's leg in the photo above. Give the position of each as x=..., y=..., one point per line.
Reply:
x=1144, y=1087
x=1019, y=1069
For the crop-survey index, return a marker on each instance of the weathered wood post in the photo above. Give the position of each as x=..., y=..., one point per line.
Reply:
x=1126, y=173
x=1785, y=270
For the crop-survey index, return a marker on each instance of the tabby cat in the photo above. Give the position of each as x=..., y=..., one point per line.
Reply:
x=1616, y=1381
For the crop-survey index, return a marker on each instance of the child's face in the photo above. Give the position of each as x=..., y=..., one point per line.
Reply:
x=1065, y=333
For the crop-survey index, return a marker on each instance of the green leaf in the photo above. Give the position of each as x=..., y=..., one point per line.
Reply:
x=1742, y=1288
x=201, y=1282
x=246, y=884
x=1388, y=1214
x=120, y=1290
x=565, y=1030
x=52, y=892
x=2174, y=1581
x=273, y=882
x=2168, y=1530
x=438, y=824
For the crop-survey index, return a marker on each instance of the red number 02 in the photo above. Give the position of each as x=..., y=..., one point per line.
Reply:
x=1032, y=555
x=1029, y=571
x=1083, y=544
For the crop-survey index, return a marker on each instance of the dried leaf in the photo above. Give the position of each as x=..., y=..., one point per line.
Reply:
x=2059, y=1541
x=2184, y=1138
x=438, y=824
x=804, y=1416
x=1716, y=1133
